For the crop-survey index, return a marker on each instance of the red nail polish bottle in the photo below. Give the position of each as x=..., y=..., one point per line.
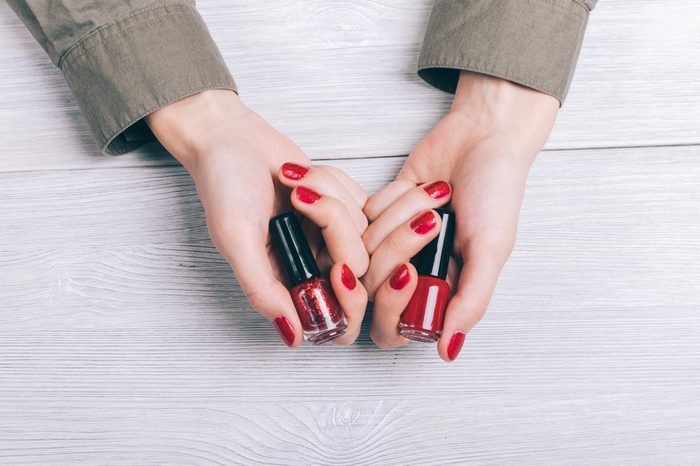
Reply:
x=322, y=318
x=422, y=319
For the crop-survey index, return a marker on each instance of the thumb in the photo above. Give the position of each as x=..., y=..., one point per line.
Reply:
x=248, y=256
x=475, y=287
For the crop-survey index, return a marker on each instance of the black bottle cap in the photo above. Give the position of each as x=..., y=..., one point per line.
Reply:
x=293, y=249
x=433, y=259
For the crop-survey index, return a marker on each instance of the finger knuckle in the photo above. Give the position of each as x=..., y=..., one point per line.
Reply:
x=369, y=209
x=257, y=296
x=363, y=223
x=475, y=308
x=498, y=244
x=223, y=234
x=360, y=264
x=363, y=198
x=370, y=284
x=396, y=241
x=335, y=211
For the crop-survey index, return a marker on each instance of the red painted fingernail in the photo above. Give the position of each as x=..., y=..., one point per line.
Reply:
x=424, y=222
x=348, y=278
x=400, y=277
x=307, y=196
x=293, y=171
x=285, y=329
x=437, y=189
x=455, y=346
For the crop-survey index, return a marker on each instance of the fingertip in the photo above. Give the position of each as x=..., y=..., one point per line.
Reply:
x=349, y=337
x=461, y=316
x=286, y=331
x=274, y=302
x=352, y=298
x=426, y=223
x=391, y=299
x=450, y=345
x=302, y=197
x=401, y=276
x=387, y=341
x=291, y=172
x=439, y=190
x=348, y=277
x=343, y=279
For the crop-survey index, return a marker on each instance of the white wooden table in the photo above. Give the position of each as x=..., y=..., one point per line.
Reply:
x=124, y=338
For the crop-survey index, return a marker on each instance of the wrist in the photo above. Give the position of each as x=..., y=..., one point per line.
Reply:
x=495, y=107
x=186, y=127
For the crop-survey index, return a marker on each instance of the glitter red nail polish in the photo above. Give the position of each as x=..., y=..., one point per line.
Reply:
x=423, y=223
x=322, y=318
x=423, y=317
x=437, y=190
x=307, y=196
x=293, y=171
x=348, y=278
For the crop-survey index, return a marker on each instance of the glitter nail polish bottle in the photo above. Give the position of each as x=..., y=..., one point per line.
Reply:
x=322, y=318
x=423, y=317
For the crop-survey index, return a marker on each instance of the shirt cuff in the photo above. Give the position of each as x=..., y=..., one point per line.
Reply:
x=129, y=68
x=534, y=43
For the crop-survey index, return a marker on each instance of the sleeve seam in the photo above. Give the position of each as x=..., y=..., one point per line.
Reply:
x=582, y=10
x=582, y=4
x=490, y=71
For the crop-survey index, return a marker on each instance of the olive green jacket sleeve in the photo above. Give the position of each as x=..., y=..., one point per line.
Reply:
x=123, y=60
x=535, y=43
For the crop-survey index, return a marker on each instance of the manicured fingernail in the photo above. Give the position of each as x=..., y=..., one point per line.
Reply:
x=400, y=277
x=437, y=189
x=285, y=329
x=348, y=278
x=307, y=196
x=424, y=223
x=455, y=346
x=293, y=171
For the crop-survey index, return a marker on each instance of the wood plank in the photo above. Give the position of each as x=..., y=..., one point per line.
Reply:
x=348, y=67
x=124, y=338
x=649, y=427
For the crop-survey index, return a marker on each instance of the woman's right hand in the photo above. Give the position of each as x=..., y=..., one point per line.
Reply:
x=243, y=169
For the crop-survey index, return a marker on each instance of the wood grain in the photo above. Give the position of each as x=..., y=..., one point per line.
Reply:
x=349, y=67
x=469, y=430
x=124, y=338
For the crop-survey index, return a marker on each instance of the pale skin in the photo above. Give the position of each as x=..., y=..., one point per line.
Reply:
x=483, y=148
x=234, y=158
